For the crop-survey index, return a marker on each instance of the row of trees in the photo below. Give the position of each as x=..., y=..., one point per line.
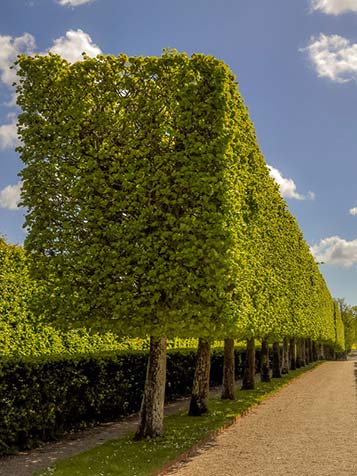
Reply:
x=349, y=319
x=24, y=334
x=151, y=212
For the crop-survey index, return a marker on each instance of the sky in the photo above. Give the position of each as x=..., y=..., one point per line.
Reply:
x=296, y=65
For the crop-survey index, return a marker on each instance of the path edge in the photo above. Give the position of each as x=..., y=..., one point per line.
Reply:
x=213, y=434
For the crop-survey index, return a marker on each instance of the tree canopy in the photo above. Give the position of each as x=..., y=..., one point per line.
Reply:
x=151, y=209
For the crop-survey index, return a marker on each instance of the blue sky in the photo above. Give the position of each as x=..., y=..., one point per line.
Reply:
x=296, y=65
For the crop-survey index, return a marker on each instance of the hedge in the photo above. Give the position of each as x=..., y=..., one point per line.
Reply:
x=160, y=216
x=41, y=399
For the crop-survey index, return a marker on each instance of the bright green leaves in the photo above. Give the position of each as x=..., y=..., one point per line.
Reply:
x=150, y=207
x=15, y=284
x=131, y=230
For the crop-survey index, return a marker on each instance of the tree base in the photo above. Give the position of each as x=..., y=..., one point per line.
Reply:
x=276, y=361
x=265, y=379
x=197, y=407
x=264, y=371
x=200, y=386
x=249, y=371
x=227, y=396
x=152, y=406
x=228, y=370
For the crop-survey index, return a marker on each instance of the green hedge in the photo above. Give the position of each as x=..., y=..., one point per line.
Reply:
x=42, y=399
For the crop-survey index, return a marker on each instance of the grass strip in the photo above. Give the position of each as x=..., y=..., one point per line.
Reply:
x=125, y=457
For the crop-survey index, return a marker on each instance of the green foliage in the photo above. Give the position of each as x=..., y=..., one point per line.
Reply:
x=339, y=329
x=160, y=216
x=124, y=457
x=23, y=334
x=15, y=284
x=132, y=231
x=44, y=397
x=349, y=318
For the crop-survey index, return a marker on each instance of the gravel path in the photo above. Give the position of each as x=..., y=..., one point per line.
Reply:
x=309, y=428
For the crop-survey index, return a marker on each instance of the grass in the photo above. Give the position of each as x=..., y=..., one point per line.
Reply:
x=125, y=457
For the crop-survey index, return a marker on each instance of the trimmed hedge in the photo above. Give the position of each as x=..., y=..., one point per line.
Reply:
x=42, y=399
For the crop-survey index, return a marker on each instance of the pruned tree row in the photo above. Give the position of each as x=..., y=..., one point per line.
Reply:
x=25, y=335
x=151, y=212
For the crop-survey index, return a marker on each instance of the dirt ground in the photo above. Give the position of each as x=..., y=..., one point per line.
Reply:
x=309, y=428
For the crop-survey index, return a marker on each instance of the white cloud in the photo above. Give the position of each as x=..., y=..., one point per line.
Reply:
x=353, y=211
x=10, y=196
x=73, y=3
x=8, y=134
x=334, y=7
x=287, y=186
x=73, y=44
x=336, y=250
x=70, y=47
x=333, y=57
x=12, y=101
x=10, y=47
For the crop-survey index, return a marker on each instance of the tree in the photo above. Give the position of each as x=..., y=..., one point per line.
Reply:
x=228, y=370
x=200, y=387
x=349, y=318
x=138, y=228
x=160, y=217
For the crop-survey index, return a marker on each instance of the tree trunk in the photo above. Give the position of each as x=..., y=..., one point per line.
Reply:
x=264, y=371
x=228, y=370
x=298, y=354
x=322, y=352
x=292, y=354
x=276, y=361
x=249, y=371
x=307, y=352
x=303, y=352
x=311, y=353
x=152, y=406
x=285, y=357
x=314, y=351
x=200, y=386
